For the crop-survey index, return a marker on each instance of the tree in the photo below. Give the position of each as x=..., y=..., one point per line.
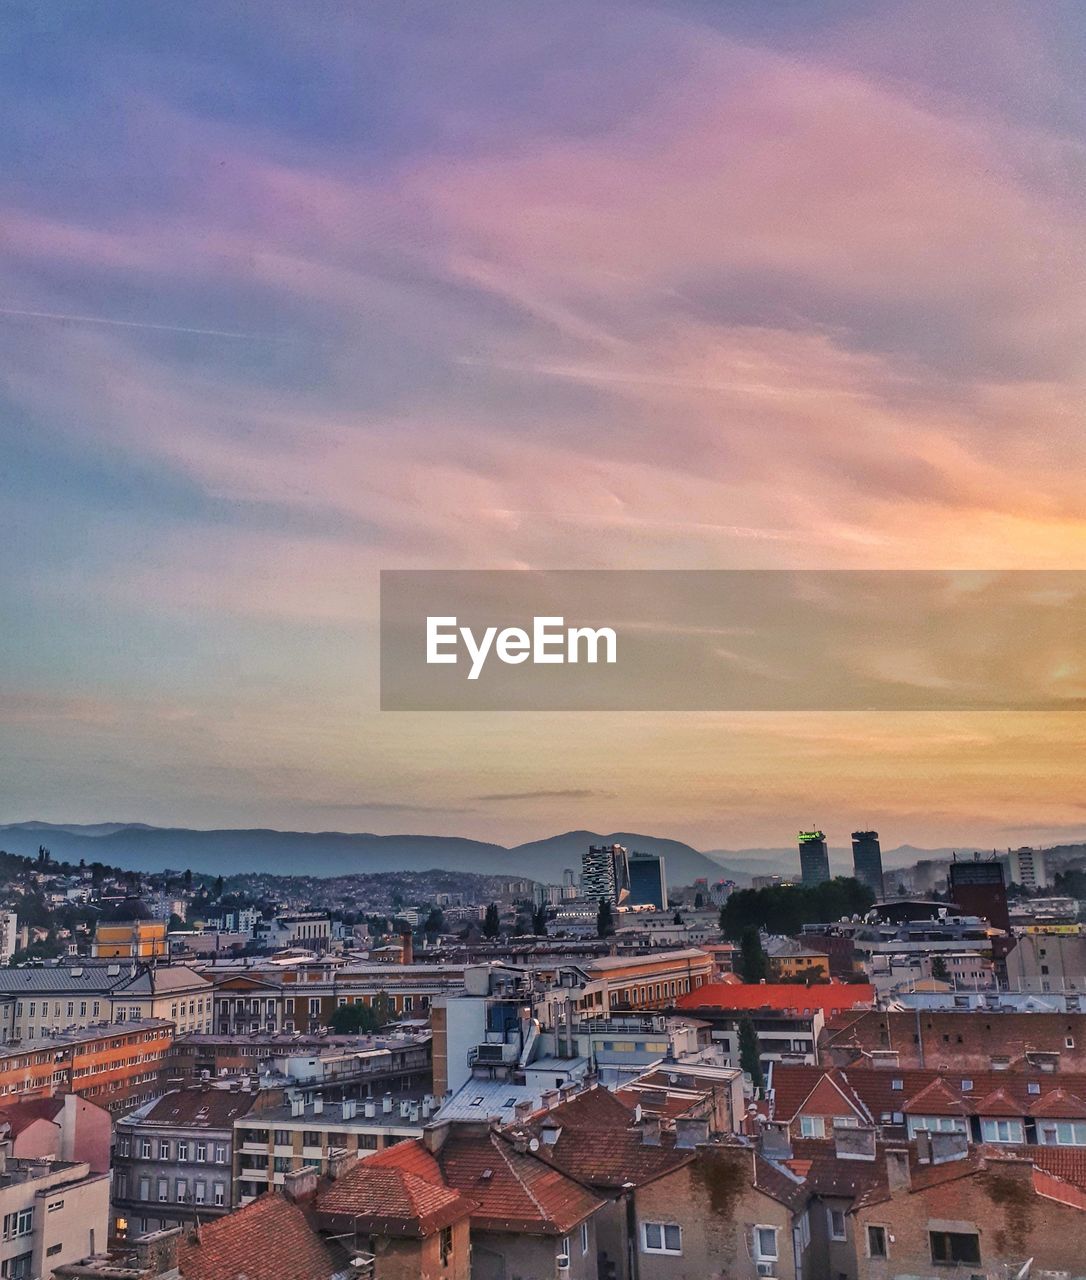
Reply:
x=219, y=885
x=540, y=916
x=939, y=971
x=699, y=900
x=176, y=923
x=186, y=879
x=677, y=918
x=362, y=1019
x=785, y=909
x=435, y=922
x=753, y=965
x=749, y=1054
x=605, y=920
x=492, y=922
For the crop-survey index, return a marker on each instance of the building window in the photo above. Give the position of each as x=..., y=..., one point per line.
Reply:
x=876, y=1242
x=661, y=1237
x=145, y=1148
x=182, y=1151
x=954, y=1246
x=163, y=1149
x=220, y=1195
x=182, y=1190
x=20, y=1223
x=445, y=1244
x=145, y=1189
x=201, y=1152
x=836, y=1218
x=16, y=1268
x=1002, y=1130
x=765, y=1244
x=163, y=1190
x=812, y=1126
x=584, y=1239
x=200, y=1189
x=1062, y=1133
x=220, y=1153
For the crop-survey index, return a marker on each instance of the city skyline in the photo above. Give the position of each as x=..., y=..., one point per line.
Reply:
x=658, y=286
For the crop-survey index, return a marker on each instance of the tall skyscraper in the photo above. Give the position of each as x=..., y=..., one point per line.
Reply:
x=605, y=874
x=978, y=887
x=814, y=858
x=867, y=860
x=648, y=882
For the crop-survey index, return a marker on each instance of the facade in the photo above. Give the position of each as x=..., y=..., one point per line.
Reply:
x=39, y=1002
x=867, y=860
x=360, y=1065
x=52, y=1214
x=64, y=1127
x=9, y=936
x=131, y=940
x=1045, y=960
x=116, y=1066
x=814, y=858
x=979, y=888
x=270, y=1143
x=1028, y=868
x=175, y=1157
x=648, y=881
x=605, y=875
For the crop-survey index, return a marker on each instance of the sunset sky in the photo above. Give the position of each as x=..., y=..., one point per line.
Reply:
x=293, y=293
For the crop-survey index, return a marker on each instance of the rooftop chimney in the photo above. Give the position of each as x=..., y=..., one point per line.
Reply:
x=522, y=1110
x=339, y=1161
x=898, y=1177
x=300, y=1184
x=549, y=1098
x=407, y=947
x=690, y=1131
x=775, y=1140
x=386, y=1104
x=854, y=1143
x=650, y=1131
x=949, y=1146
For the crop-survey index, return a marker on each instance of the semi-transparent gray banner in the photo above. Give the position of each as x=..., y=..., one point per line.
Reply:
x=757, y=640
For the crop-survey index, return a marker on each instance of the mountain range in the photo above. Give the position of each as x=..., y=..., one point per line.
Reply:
x=139, y=847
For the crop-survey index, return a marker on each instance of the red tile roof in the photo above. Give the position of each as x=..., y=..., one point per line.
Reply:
x=1035, y=1093
x=1058, y=1104
x=390, y=1201
x=937, y=1099
x=832, y=997
x=270, y=1239
x=513, y=1190
x=598, y=1144
x=19, y=1115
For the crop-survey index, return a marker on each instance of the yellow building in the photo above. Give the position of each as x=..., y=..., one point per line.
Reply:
x=799, y=964
x=131, y=939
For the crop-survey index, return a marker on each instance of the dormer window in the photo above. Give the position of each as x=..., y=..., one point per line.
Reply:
x=967, y=1086
x=1033, y=1087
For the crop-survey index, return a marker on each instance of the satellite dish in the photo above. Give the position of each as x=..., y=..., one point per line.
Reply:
x=533, y=1145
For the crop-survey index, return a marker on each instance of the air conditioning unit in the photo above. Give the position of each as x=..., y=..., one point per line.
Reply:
x=765, y=1269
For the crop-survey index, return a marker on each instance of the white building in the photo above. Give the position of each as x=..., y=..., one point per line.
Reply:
x=9, y=936
x=1028, y=868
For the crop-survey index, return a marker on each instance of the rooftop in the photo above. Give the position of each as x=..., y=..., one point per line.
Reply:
x=269, y=1239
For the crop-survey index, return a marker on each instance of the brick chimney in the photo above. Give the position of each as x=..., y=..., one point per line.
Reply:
x=300, y=1185
x=407, y=947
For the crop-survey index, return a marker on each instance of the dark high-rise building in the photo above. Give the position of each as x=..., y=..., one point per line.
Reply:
x=978, y=887
x=605, y=874
x=814, y=858
x=648, y=884
x=867, y=860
